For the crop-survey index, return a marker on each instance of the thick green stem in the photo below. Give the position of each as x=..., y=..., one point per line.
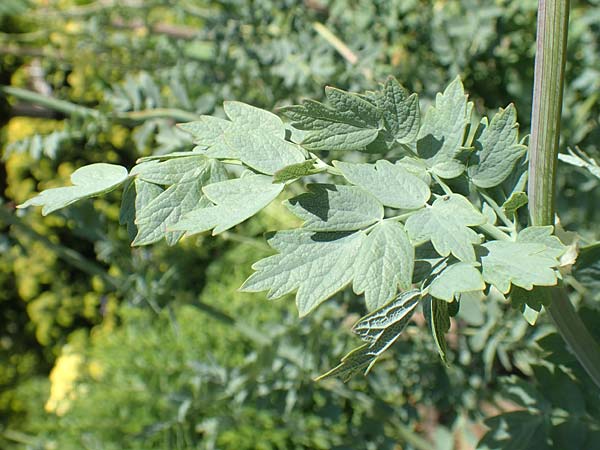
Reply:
x=553, y=19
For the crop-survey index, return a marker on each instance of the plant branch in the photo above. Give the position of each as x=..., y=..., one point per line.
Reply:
x=553, y=19
x=73, y=109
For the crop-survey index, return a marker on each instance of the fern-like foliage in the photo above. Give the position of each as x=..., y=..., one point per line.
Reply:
x=429, y=207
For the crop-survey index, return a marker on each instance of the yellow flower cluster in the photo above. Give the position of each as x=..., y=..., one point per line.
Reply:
x=62, y=382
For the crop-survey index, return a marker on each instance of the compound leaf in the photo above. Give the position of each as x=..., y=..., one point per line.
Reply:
x=497, y=149
x=351, y=123
x=154, y=220
x=543, y=235
x=316, y=264
x=135, y=198
x=438, y=318
x=380, y=330
x=384, y=264
x=328, y=207
x=390, y=183
x=527, y=262
x=446, y=224
x=456, y=279
x=170, y=171
x=234, y=201
x=441, y=135
x=88, y=181
x=400, y=111
x=254, y=136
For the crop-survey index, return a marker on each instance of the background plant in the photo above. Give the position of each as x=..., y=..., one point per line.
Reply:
x=507, y=55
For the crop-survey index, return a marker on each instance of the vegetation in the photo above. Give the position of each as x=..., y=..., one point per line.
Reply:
x=154, y=346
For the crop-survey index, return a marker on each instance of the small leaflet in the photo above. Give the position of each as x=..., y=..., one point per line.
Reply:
x=234, y=202
x=400, y=111
x=438, y=318
x=88, y=181
x=442, y=131
x=253, y=136
x=384, y=264
x=390, y=183
x=497, y=149
x=351, y=123
x=529, y=261
x=514, y=202
x=380, y=330
x=317, y=265
x=154, y=218
x=295, y=171
x=329, y=207
x=446, y=224
x=456, y=279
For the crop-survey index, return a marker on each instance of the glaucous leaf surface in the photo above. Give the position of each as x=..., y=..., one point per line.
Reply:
x=390, y=183
x=252, y=135
x=441, y=136
x=456, y=279
x=384, y=265
x=446, y=224
x=497, y=149
x=329, y=207
x=350, y=123
x=234, y=201
x=88, y=181
x=316, y=264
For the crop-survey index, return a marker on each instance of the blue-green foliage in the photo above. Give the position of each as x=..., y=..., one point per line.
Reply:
x=270, y=54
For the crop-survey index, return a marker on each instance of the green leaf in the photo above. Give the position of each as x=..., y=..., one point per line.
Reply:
x=253, y=136
x=497, y=149
x=88, y=181
x=389, y=319
x=380, y=330
x=384, y=264
x=442, y=131
x=438, y=319
x=456, y=279
x=400, y=111
x=235, y=201
x=543, y=235
x=579, y=158
x=316, y=264
x=446, y=224
x=136, y=196
x=514, y=202
x=351, y=123
x=528, y=262
x=170, y=171
x=516, y=430
x=294, y=171
x=329, y=207
x=172, y=155
x=529, y=302
x=156, y=218
x=390, y=183
x=587, y=267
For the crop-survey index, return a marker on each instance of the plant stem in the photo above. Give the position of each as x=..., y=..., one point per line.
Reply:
x=72, y=109
x=49, y=102
x=553, y=19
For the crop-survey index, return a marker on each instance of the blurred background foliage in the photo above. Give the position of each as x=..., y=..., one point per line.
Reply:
x=106, y=346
